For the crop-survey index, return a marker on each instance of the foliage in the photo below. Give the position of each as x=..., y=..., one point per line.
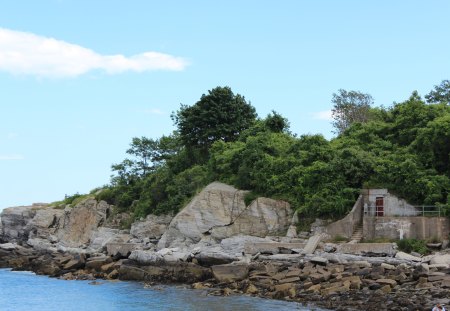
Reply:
x=350, y=107
x=405, y=148
x=219, y=115
x=440, y=94
x=413, y=245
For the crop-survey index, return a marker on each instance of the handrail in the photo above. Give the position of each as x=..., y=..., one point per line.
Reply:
x=421, y=211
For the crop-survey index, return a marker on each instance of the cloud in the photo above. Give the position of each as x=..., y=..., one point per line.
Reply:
x=29, y=54
x=155, y=111
x=11, y=157
x=323, y=115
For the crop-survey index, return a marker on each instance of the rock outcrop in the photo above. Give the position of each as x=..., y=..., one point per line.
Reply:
x=78, y=223
x=152, y=227
x=219, y=211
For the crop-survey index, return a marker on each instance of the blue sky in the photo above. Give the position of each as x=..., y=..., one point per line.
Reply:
x=79, y=79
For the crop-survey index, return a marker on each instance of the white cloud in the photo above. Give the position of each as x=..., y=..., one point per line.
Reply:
x=323, y=115
x=11, y=157
x=30, y=54
x=154, y=111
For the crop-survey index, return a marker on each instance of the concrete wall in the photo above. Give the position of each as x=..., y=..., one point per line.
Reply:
x=346, y=225
x=406, y=227
x=393, y=206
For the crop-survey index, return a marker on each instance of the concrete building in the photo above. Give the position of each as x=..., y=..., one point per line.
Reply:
x=380, y=214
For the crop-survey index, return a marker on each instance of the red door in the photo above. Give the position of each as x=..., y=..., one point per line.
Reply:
x=379, y=205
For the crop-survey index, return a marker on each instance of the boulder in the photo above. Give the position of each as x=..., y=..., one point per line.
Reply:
x=78, y=223
x=121, y=249
x=8, y=246
x=214, y=255
x=95, y=263
x=14, y=222
x=44, y=223
x=220, y=211
x=405, y=256
x=440, y=259
x=152, y=227
x=230, y=272
x=102, y=236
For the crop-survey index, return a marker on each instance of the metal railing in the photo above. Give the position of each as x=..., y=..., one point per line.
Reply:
x=420, y=210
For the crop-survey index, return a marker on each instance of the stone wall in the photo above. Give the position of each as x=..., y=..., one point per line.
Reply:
x=406, y=227
x=346, y=225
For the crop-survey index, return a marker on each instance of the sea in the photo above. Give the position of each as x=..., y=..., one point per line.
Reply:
x=29, y=292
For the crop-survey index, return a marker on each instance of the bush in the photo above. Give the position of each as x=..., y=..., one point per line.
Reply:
x=413, y=245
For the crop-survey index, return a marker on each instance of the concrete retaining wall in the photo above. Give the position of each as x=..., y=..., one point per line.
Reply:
x=346, y=225
x=406, y=227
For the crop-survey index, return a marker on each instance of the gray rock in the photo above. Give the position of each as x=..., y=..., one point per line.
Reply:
x=440, y=259
x=8, y=246
x=153, y=227
x=220, y=211
x=78, y=223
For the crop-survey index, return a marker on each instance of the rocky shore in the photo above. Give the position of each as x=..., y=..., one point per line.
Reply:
x=219, y=244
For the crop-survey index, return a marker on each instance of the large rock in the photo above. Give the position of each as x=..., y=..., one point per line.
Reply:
x=103, y=236
x=152, y=227
x=79, y=222
x=14, y=222
x=219, y=211
x=440, y=259
x=44, y=223
x=230, y=273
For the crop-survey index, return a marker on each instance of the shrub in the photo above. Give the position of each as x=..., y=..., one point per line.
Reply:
x=413, y=245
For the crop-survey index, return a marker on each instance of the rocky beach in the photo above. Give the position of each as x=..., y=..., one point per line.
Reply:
x=220, y=244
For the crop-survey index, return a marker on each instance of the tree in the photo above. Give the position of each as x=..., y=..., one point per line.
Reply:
x=276, y=123
x=219, y=115
x=441, y=93
x=350, y=107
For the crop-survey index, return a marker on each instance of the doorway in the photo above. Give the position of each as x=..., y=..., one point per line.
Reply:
x=379, y=206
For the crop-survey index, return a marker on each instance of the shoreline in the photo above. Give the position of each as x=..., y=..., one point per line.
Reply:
x=314, y=281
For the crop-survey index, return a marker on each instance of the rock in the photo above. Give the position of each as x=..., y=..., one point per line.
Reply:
x=153, y=227
x=41, y=245
x=440, y=259
x=387, y=266
x=78, y=223
x=220, y=211
x=45, y=223
x=131, y=273
x=285, y=290
x=14, y=222
x=75, y=263
x=405, y=256
x=215, y=255
x=103, y=236
x=230, y=272
x=95, y=263
x=121, y=249
x=251, y=290
x=319, y=260
x=387, y=282
x=8, y=246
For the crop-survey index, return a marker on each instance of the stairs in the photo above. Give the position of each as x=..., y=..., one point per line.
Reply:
x=357, y=233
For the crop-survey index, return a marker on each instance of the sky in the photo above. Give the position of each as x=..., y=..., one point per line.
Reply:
x=79, y=78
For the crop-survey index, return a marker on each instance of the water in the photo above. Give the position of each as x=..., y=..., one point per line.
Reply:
x=30, y=292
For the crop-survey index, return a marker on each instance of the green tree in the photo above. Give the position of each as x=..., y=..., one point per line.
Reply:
x=350, y=107
x=440, y=94
x=219, y=115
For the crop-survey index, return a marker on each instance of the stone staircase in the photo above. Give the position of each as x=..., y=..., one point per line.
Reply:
x=357, y=233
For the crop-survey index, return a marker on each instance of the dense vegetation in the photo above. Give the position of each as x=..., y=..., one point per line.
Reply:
x=404, y=148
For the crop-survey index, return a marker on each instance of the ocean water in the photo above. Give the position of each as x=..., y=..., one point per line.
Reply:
x=27, y=291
